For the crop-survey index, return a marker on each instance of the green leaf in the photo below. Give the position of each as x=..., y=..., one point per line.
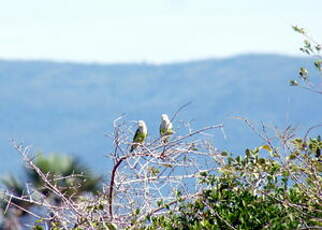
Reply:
x=304, y=73
x=110, y=226
x=266, y=147
x=292, y=156
x=247, y=152
x=318, y=64
x=298, y=29
x=204, y=174
x=137, y=211
x=224, y=153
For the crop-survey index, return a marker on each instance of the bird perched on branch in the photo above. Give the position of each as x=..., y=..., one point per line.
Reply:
x=140, y=135
x=166, y=128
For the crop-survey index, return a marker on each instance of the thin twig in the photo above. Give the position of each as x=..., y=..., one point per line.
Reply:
x=181, y=108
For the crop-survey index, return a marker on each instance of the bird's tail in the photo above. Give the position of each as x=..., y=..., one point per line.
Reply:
x=165, y=139
x=133, y=146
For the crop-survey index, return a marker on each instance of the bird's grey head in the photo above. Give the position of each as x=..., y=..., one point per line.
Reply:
x=141, y=124
x=164, y=117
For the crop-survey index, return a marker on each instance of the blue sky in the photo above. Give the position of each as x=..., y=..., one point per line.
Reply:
x=152, y=30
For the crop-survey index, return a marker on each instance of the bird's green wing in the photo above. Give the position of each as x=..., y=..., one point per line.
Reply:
x=164, y=132
x=139, y=136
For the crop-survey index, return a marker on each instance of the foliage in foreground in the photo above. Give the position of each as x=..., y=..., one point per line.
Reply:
x=68, y=174
x=267, y=188
x=254, y=192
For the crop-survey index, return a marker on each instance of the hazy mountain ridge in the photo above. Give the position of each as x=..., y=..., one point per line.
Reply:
x=67, y=107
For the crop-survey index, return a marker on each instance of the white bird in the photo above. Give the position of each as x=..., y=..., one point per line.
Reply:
x=140, y=135
x=166, y=128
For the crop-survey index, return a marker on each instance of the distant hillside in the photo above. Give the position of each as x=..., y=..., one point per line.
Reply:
x=68, y=107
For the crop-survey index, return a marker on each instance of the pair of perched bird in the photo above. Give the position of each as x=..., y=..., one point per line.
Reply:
x=166, y=129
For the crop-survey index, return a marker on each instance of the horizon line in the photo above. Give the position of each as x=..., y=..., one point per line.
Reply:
x=147, y=62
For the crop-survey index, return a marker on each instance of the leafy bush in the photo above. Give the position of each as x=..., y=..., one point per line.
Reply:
x=254, y=192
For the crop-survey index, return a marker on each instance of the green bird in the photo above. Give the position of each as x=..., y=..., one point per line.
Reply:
x=166, y=128
x=140, y=135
